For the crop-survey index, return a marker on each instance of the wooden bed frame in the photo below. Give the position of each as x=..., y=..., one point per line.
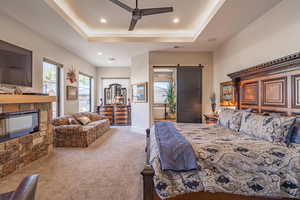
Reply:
x=271, y=87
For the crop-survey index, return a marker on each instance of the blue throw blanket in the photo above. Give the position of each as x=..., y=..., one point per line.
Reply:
x=176, y=153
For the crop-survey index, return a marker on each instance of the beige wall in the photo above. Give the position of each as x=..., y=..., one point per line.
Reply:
x=18, y=34
x=109, y=72
x=139, y=74
x=160, y=58
x=113, y=72
x=273, y=35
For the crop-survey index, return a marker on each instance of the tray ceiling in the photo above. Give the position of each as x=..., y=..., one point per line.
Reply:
x=85, y=17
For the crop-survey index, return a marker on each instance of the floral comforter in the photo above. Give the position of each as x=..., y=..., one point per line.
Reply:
x=230, y=162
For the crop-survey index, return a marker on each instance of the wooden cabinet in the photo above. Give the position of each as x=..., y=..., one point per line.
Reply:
x=117, y=114
x=107, y=112
x=121, y=115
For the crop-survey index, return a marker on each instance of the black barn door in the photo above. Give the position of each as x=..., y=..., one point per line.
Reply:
x=189, y=94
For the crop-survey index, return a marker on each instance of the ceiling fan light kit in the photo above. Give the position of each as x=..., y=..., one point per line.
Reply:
x=137, y=13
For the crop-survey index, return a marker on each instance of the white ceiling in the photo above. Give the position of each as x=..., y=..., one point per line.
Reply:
x=85, y=18
x=231, y=18
x=119, y=19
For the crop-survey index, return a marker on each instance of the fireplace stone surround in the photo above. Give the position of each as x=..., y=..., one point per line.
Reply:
x=20, y=151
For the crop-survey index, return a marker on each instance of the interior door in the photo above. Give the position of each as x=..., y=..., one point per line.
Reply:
x=189, y=94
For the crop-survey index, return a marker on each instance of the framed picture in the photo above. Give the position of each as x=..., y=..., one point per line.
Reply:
x=227, y=94
x=72, y=93
x=140, y=93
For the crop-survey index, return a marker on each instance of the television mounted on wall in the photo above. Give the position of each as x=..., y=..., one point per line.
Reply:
x=15, y=65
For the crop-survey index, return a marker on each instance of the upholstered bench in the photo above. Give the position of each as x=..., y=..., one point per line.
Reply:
x=71, y=132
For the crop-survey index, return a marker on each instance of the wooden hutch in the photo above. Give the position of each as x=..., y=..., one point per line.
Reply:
x=116, y=107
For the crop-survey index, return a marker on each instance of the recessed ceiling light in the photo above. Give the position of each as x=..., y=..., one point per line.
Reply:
x=111, y=60
x=100, y=53
x=103, y=21
x=176, y=20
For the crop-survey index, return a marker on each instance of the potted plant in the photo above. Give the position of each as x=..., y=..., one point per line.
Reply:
x=213, y=102
x=171, y=101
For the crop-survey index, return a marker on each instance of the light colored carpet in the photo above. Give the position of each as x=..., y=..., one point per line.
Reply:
x=108, y=170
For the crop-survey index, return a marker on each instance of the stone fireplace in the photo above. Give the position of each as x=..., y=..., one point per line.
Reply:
x=25, y=130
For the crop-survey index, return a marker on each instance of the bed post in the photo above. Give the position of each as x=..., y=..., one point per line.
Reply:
x=237, y=83
x=148, y=172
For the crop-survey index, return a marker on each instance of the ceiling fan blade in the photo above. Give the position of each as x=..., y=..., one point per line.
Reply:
x=122, y=5
x=132, y=24
x=153, y=11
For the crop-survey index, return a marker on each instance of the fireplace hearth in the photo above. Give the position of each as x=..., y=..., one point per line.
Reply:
x=26, y=132
x=18, y=124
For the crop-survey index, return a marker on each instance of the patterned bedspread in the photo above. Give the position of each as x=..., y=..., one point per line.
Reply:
x=230, y=162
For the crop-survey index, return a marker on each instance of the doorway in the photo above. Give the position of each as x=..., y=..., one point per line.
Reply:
x=177, y=94
x=189, y=98
x=164, y=94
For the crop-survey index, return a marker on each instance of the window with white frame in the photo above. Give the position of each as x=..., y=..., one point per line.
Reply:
x=51, y=83
x=160, y=91
x=85, y=93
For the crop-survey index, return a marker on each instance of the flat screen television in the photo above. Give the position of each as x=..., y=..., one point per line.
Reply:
x=15, y=65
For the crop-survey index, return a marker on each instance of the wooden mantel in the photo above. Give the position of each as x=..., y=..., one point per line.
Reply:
x=14, y=99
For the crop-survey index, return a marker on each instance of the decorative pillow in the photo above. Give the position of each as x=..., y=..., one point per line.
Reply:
x=294, y=133
x=59, y=121
x=95, y=117
x=230, y=119
x=273, y=129
x=83, y=120
x=295, y=136
x=72, y=121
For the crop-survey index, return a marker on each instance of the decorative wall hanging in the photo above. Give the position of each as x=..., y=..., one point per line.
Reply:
x=72, y=93
x=140, y=93
x=227, y=94
x=71, y=75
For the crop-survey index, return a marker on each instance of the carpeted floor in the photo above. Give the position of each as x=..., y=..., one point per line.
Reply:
x=108, y=170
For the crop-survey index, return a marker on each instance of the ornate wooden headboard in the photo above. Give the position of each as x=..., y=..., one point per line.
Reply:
x=270, y=87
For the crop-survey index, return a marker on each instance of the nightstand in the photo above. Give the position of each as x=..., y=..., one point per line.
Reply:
x=211, y=118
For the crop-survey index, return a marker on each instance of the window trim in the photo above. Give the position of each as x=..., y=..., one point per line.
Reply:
x=47, y=60
x=158, y=104
x=58, y=83
x=90, y=89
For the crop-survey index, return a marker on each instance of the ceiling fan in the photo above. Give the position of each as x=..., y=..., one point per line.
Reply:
x=137, y=13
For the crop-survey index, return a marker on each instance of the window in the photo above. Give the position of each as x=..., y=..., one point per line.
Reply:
x=85, y=93
x=51, y=83
x=160, y=91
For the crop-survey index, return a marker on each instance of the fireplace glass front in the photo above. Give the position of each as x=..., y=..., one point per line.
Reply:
x=13, y=125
